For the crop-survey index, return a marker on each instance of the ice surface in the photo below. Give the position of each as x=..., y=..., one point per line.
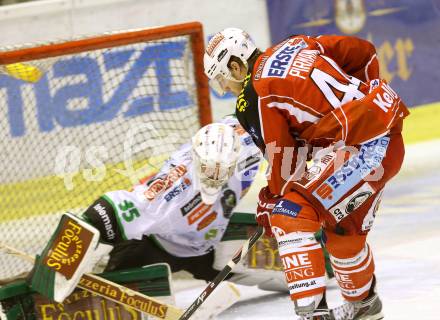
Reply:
x=406, y=245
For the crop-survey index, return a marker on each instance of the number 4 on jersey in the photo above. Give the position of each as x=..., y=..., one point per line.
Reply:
x=327, y=83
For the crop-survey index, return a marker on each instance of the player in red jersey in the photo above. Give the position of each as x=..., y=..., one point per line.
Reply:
x=316, y=99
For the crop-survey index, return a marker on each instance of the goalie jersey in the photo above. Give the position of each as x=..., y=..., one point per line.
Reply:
x=169, y=209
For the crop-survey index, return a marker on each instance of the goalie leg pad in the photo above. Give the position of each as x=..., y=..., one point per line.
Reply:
x=223, y=297
x=73, y=250
x=265, y=279
x=2, y=314
x=276, y=283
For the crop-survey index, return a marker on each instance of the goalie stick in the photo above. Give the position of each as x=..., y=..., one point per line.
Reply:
x=117, y=293
x=223, y=274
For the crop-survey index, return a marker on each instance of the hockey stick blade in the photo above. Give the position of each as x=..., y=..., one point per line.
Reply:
x=223, y=274
x=115, y=292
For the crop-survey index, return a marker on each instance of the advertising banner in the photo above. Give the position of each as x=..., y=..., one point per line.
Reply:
x=18, y=301
x=405, y=33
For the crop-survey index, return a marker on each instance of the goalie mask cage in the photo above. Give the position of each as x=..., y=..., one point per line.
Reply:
x=82, y=117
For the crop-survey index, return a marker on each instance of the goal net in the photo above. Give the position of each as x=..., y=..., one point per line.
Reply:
x=82, y=117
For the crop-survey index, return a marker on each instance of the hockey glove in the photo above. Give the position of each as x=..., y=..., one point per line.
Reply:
x=73, y=250
x=266, y=203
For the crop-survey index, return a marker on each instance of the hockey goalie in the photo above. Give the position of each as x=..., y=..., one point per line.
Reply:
x=178, y=217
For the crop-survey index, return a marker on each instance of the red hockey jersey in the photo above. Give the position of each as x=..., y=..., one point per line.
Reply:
x=318, y=91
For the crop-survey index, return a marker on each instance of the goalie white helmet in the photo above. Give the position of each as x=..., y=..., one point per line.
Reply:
x=224, y=44
x=216, y=148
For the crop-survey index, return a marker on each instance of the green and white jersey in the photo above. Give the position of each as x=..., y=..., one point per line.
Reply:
x=169, y=207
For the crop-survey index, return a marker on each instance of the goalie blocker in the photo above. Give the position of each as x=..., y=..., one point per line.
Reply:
x=73, y=250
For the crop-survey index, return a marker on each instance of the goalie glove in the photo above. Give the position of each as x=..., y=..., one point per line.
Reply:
x=266, y=203
x=73, y=250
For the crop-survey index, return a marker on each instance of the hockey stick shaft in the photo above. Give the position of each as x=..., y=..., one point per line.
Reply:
x=115, y=292
x=223, y=274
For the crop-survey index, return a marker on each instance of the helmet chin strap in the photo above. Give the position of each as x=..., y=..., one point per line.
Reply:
x=235, y=80
x=241, y=82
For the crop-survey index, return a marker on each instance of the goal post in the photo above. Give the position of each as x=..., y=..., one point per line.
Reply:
x=85, y=116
